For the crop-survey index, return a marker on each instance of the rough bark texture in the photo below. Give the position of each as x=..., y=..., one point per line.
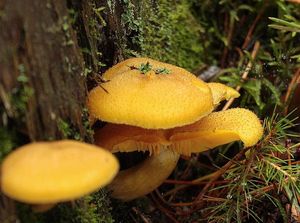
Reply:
x=37, y=42
x=41, y=82
x=100, y=32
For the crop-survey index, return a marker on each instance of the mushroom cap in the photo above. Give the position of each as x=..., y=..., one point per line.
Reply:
x=136, y=62
x=216, y=129
x=49, y=172
x=150, y=100
x=222, y=92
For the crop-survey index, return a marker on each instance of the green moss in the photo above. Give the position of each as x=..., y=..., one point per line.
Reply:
x=89, y=209
x=8, y=141
x=69, y=131
x=164, y=31
x=20, y=95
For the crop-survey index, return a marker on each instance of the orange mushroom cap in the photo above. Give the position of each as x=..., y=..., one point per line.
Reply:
x=50, y=172
x=150, y=100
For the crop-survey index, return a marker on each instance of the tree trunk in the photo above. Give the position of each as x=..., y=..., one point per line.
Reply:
x=42, y=76
x=41, y=66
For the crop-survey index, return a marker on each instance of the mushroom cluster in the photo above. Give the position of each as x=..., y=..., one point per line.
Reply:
x=161, y=108
x=45, y=173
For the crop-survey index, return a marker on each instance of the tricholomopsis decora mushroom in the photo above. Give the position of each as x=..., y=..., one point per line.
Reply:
x=44, y=173
x=150, y=97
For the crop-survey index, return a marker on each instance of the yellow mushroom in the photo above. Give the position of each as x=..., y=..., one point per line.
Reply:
x=144, y=99
x=149, y=99
x=45, y=173
x=216, y=129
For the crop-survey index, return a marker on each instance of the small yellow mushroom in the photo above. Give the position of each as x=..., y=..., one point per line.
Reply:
x=45, y=173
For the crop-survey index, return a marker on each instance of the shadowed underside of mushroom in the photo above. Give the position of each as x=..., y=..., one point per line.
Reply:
x=127, y=138
x=213, y=130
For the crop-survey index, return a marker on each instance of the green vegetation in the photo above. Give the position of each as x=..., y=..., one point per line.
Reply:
x=89, y=209
x=248, y=181
x=164, y=31
x=15, y=107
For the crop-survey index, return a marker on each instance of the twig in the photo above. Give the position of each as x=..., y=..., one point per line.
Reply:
x=142, y=216
x=246, y=72
x=163, y=209
x=252, y=27
x=192, y=182
x=221, y=171
x=291, y=87
x=207, y=198
x=294, y=1
x=229, y=38
x=280, y=169
x=196, y=181
x=161, y=198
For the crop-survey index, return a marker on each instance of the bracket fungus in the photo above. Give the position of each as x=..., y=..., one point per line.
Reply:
x=45, y=173
x=167, y=114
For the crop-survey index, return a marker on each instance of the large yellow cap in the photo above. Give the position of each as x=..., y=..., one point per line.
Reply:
x=150, y=100
x=50, y=172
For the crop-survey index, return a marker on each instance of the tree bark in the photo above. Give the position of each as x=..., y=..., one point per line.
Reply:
x=41, y=75
x=40, y=58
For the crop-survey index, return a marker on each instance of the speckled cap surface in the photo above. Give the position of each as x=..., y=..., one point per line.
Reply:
x=136, y=62
x=164, y=96
x=219, y=128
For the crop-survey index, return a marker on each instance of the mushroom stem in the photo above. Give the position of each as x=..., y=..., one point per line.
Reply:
x=144, y=177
